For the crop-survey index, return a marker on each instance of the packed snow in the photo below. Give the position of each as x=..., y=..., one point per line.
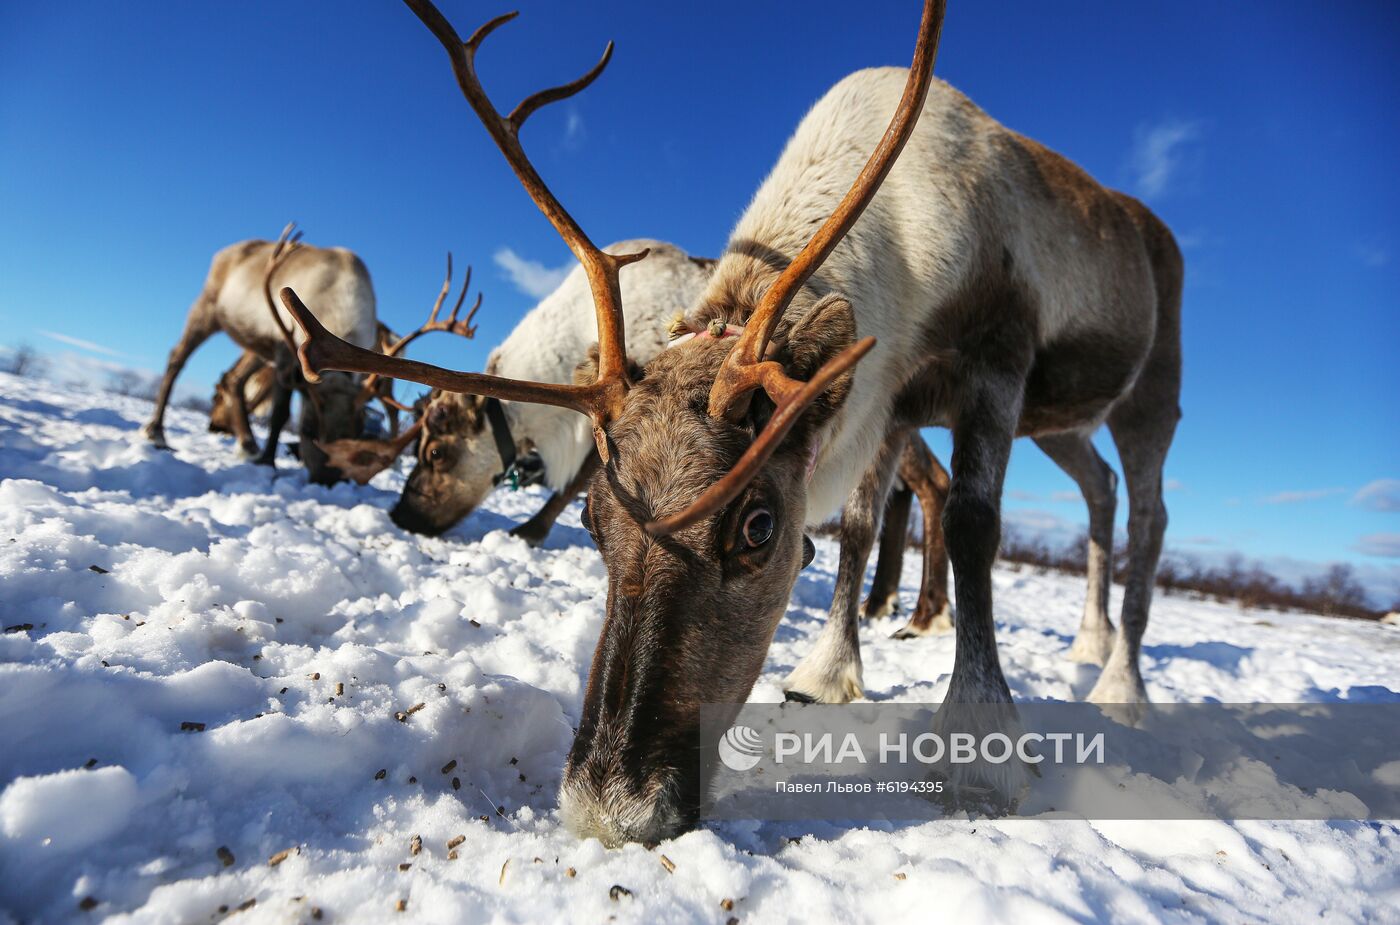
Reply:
x=227, y=692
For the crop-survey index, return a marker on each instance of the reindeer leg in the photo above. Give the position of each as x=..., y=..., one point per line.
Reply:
x=922, y=471
x=242, y=430
x=536, y=529
x=199, y=326
x=281, y=411
x=978, y=699
x=1075, y=454
x=1142, y=427
x=889, y=564
x=831, y=672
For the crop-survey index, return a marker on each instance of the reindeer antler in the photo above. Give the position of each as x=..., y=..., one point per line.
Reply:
x=602, y=399
x=745, y=370
x=449, y=325
x=287, y=244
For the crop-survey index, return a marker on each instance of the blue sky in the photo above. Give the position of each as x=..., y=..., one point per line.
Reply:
x=138, y=138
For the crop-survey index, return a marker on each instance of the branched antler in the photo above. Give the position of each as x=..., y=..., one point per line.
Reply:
x=287, y=244
x=602, y=399
x=745, y=369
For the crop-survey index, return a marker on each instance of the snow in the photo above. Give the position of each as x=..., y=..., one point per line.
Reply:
x=318, y=645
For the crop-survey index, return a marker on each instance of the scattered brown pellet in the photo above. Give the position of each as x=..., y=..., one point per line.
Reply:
x=88, y=904
x=539, y=860
x=247, y=904
x=279, y=620
x=404, y=866
x=669, y=864
x=442, y=688
x=223, y=909
x=415, y=845
x=279, y=857
x=514, y=760
x=191, y=727
x=104, y=664
x=98, y=569
x=401, y=716
x=901, y=875
x=91, y=763
x=571, y=872
x=617, y=891
x=502, y=878
x=447, y=768
x=225, y=855
x=456, y=783
x=340, y=688
x=456, y=841
x=501, y=811
x=401, y=906
x=381, y=774
x=522, y=778
x=282, y=691
x=412, y=779
x=316, y=913
x=484, y=818
x=415, y=708
x=452, y=855
x=474, y=623
x=732, y=920
x=727, y=905
x=315, y=676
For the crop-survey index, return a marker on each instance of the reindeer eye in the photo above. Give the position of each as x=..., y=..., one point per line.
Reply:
x=758, y=527
x=435, y=453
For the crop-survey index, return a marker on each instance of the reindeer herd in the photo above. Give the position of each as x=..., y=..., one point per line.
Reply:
x=908, y=262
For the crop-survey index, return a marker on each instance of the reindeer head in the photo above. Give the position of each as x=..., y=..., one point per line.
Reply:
x=458, y=465
x=731, y=414
x=360, y=460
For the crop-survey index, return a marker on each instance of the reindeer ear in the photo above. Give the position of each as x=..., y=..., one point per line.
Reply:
x=586, y=372
x=827, y=329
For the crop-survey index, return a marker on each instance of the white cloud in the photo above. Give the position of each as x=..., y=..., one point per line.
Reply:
x=1174, y=485
x=1294, y=497
x=1373, y=255
x=81, y=344
x=574, y=132
x=1381, y=495
x=1066, y=496
x=1157, y=154
x=530, y=276
x=1385, y=545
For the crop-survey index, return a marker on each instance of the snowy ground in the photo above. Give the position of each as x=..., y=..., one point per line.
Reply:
x=293, y=622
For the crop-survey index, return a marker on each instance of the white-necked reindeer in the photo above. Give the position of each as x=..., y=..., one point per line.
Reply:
x=468, y=442
x=1009, y=294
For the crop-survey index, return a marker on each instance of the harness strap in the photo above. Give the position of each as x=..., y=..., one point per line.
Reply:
x=500, y=429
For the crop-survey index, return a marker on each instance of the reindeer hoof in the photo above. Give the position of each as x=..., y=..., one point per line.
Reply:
x=875, y=609
x=533, y=536
x=798, y=697
x=249, y=450
x=155, y=436
x=1091, y=647
x=923, y=625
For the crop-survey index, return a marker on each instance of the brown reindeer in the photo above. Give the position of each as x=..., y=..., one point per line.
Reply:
x=245, y=389
x=1010, y=294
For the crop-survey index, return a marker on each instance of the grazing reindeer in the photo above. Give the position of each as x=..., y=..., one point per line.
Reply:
x=469, y=443
x=1010, y=294
x=236, y=300
x=243, y=390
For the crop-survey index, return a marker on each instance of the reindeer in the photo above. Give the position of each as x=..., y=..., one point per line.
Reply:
x=1010, y=294
x=243, y=390
x=237, y=300
x=468, y=444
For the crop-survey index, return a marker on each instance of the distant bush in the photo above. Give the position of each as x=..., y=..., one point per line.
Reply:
x=132, y=384
x=23, y=360
x=1337, y=593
